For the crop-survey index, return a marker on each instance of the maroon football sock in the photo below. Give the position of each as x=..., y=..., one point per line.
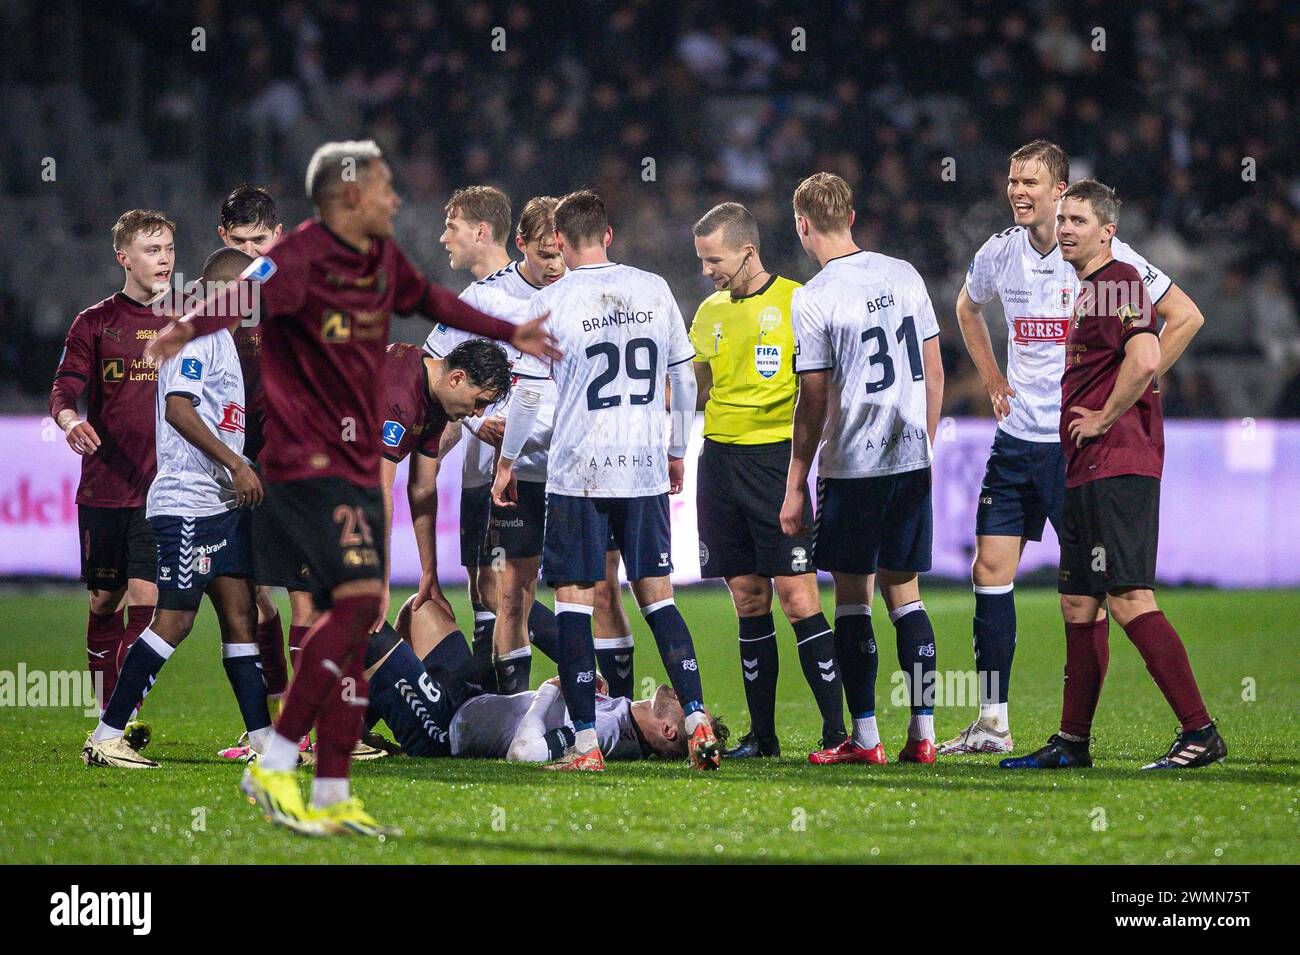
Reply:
x=1087, y=652
x=103, y=634
x=137, y=619
x=297, y=635
x=270, y=642
x=327, y=652
x=338, y=727
x=1166, y=660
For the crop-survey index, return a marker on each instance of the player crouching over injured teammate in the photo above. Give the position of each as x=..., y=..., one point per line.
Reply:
x=422, y=684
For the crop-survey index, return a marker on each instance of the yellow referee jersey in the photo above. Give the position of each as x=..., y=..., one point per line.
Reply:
x=748, y=343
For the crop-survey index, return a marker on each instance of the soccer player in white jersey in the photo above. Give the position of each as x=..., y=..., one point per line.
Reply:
x=508, y=619
x=1024, y=483
x=613, y=461
x=198, y=507
x=417, y=674
x=870, y=387
x=477, y=225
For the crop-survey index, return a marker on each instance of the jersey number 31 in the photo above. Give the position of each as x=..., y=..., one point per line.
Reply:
x=906, y=334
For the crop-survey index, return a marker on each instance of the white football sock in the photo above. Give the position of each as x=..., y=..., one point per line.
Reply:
x=865, y=733
x=326, y=792
x=281, y=753
x=103, y=733
x=585, y=740
x=995, y=715
x=258, y=739
x=921, y=727
x=695, y=719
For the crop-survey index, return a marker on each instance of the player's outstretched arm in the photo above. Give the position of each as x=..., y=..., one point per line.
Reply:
x=440, y=305
x=422, y=496
x=1182, y=320
x=180, y=414
x=975, y=333
x=809, y=418
x=1141, y=359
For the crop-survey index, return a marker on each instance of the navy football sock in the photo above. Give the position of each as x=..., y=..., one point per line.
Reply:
x=139, y=670
x=542, y=630
x=916, y=654
x=759, y=667
x=816, y=644
x=995, y=640
x=855, y=650
x=678, y=653
x=485, y=623
x=514, y=670
x=614, y=656
x=577, y=663
x=243, y=665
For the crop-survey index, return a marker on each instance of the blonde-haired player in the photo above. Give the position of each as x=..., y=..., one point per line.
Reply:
x=871, y=382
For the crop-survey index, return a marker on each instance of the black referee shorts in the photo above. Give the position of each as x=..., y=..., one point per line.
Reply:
x=1109, y=536
x=738, y=496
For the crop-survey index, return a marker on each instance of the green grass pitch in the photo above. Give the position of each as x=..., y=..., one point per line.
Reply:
x=1243, y=646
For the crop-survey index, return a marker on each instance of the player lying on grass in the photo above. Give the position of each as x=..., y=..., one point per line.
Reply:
x=198, y=509
x=423, y=685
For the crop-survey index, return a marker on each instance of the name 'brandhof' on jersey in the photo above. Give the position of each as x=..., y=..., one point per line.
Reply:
x=620, y=330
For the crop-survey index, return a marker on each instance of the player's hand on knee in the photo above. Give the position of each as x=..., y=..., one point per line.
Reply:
x=382, y=619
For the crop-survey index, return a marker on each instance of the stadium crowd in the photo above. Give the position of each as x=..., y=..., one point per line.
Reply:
x=666, y=110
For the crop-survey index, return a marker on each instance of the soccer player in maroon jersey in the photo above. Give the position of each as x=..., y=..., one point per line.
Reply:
x=423, y=394
x=104, y=362
x=326, y=294
x=1113, y=435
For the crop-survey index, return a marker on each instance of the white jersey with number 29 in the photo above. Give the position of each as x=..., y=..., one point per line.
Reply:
x=864, y=317
x=620, y=330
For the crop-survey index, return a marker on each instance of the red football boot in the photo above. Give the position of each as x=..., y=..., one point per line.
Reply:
x=917, y=751
x=849, y=752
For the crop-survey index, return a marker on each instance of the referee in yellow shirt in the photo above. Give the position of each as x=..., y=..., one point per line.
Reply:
x=744, y=363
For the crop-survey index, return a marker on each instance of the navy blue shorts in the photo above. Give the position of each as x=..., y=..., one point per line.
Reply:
x=1024, y=487
x=475, y=513
x=579, y=530
x=865, y=523
x=516, y=532
x=418, y=698
x=193, y=551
